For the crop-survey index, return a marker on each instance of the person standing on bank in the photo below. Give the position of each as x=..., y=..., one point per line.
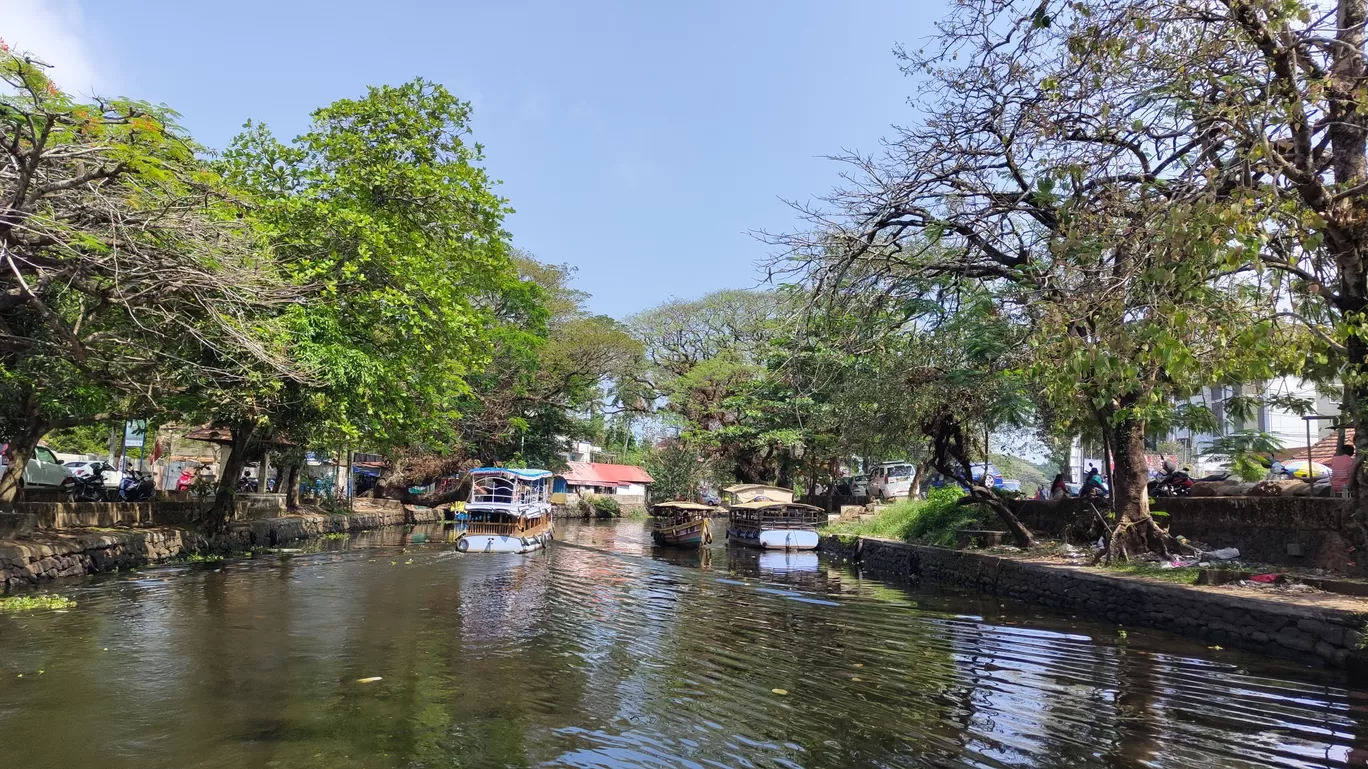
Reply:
x=1341, y=470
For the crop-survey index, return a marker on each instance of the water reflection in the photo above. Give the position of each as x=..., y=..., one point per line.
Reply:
x=605, y=651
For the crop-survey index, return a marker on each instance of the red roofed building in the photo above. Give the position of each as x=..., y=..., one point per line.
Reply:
x=1322, y=451
x=599, y=478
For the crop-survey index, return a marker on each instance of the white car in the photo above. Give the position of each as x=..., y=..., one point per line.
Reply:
x=109, y=475
x=859, y=487
x=892, y=480
x=44, y=469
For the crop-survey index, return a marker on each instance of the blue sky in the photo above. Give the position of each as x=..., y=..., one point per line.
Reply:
x=640, y=142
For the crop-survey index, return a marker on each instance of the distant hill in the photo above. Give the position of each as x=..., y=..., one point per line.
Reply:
x=1030, y=475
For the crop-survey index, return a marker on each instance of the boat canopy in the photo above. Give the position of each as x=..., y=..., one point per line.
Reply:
x=761, y=504
x=521, y=473
x=679, y=505
x=747, y=492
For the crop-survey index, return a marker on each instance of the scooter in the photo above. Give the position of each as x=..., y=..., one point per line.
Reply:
x=137, y=487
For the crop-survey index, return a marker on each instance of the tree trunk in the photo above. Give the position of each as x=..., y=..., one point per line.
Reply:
x=1136, y=532
x=951, y=460
x=983, y=495
x=292, y=486
x=785, y=479
x=21, y=449
x=222, y=510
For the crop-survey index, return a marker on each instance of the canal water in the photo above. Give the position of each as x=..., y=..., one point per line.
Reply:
x=604, y=652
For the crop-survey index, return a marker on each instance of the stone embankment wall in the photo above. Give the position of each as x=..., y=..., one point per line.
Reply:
x=46, y=555
x=1321, y=636
x=1286, y=531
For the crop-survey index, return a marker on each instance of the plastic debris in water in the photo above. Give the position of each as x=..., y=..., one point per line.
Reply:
x=370, y=680
x=780, y=692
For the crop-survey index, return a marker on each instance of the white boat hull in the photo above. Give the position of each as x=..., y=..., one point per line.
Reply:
x=497, y=543
x=779, y=539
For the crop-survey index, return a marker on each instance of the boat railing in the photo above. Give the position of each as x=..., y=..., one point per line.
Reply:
x=505, y=528
x=779, y=517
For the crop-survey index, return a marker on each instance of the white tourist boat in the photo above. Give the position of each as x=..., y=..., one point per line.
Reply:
x=775, y=525
x=509, y=511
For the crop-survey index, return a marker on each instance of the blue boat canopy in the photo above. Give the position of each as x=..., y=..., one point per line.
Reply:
x=523, y=473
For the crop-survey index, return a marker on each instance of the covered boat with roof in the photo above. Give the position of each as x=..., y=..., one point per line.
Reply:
x=509, y=511
x=775, y=525
x=754, y=492
x=680, y=524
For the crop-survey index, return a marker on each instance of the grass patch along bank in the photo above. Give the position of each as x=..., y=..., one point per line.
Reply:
x=930, y=521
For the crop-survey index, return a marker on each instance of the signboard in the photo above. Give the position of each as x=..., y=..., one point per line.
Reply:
x=134, y=432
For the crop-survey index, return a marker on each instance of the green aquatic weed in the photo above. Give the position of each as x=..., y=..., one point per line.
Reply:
x=16, y=603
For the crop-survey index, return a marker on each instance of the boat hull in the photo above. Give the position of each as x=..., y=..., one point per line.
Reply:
x=689, y=535
x=776, y=539
x=500, y=543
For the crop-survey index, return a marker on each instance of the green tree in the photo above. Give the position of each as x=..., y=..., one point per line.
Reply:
x=1269, y=98
x=706, y=360
x=383, y=210
x=130, y=284
x=1067, y=199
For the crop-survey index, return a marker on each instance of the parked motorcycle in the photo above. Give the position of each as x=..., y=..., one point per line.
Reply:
x=93, y=486
x=137, y=487
x=88, y=488
x=1175, y=484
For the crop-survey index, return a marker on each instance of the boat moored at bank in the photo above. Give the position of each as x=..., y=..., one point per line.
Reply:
x=754, y=492
x=775, y=525
x=680, y=524
x=509, y=511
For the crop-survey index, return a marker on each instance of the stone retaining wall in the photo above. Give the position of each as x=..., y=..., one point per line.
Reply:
x=68, y=554
x=1286, y=531
x=158, y=512
x=1320, y=636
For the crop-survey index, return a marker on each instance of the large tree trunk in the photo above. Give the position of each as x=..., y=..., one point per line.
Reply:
x=1136, y=532
x=20, y=450
x=222, y=510
x=951, y=460
x=292, y=486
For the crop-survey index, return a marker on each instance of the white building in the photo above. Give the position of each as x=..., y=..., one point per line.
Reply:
x=582, y=451
x=1285, y=425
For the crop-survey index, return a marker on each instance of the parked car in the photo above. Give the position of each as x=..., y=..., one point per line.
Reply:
x=44, y=469
x=853, y=486
x=892, y=480
x=994, y=481
x=859, y=487
x=994, y=477
x=84, y=468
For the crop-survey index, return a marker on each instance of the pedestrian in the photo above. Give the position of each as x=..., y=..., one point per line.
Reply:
x=1341, y=469
x=1058, y=489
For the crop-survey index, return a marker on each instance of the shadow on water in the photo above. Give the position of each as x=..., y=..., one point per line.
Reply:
x=604, y=651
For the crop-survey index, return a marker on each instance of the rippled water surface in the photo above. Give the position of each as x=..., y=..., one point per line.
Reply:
x=603, y=652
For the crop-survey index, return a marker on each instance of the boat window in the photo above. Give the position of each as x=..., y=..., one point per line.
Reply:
x=492, y=490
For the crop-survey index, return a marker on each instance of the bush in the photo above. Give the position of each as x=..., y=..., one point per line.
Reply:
x=599, y=506
x=932, y=521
